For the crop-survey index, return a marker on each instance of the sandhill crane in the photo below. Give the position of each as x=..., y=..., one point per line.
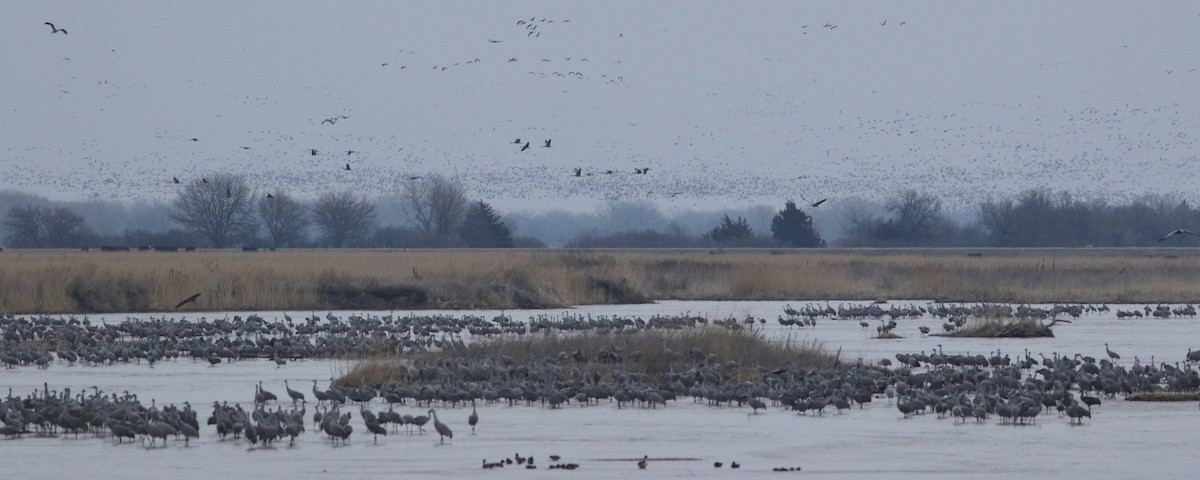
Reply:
x=442, y=430
x=191, y=299
x=1111, y=354
x=1056, y=320
x=525, y=147
x=473, y=419
x=296, y=396
x=1178, y=231
x=547, y=144
x=317, y=394
x=1077, y=413
x=266, y=396
x=175, y=179
x=375, y=429
x=815, y=204
x=420, y=421
x=347, y=167
x=54, y=30
x=269, y=195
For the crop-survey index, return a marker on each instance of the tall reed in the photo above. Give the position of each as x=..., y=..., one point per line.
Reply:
x=72, y=282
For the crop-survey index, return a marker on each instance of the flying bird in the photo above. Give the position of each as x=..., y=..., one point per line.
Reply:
x=578, y=171
x=228, y=193
x=525, y=147
x=1178, y=231
x=495, y=41
x=347, y=167
x=413, y=177
x=547, y=145
x=517, y=141
x=195, y=139
x=191, y=299
x=203, y=180
x=815, y=204
x=313, y=151
x=54, y=29
x=269, y=195
x=175, y=179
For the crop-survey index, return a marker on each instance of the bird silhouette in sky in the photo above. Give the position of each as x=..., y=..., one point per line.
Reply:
x=525, y=147
x=815, y=204
x=54, y=29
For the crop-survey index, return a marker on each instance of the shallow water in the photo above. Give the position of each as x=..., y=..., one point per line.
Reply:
x=1122, y=440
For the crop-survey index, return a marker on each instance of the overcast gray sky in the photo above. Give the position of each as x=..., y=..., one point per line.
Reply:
x=724, y=101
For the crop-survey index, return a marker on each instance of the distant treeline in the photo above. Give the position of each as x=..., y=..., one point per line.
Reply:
x=223, y=211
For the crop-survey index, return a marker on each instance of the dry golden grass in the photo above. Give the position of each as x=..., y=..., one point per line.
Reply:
x=70, y=281
x=1000, y=328
x=1163, y=397
x=651, y=352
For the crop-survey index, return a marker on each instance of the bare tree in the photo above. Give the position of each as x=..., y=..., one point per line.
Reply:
x=436, y=205
x=415, y=202
x=26, y=226
x=219, y=209
x=284, y=218
x=631, y=215
x=917, y=215
x=344, y=218
x=447, y=202
x=32, y=226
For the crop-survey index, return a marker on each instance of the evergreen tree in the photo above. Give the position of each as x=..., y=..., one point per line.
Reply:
x=794, y=227
x=730, y=230
x=482, y=228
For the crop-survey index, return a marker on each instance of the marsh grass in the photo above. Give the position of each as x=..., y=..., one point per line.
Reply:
x=1000, y=328
x=1163, y=397
x=651, y=352
x=79, y=282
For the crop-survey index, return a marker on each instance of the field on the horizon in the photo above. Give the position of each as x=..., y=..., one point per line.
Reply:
x=60, y=281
